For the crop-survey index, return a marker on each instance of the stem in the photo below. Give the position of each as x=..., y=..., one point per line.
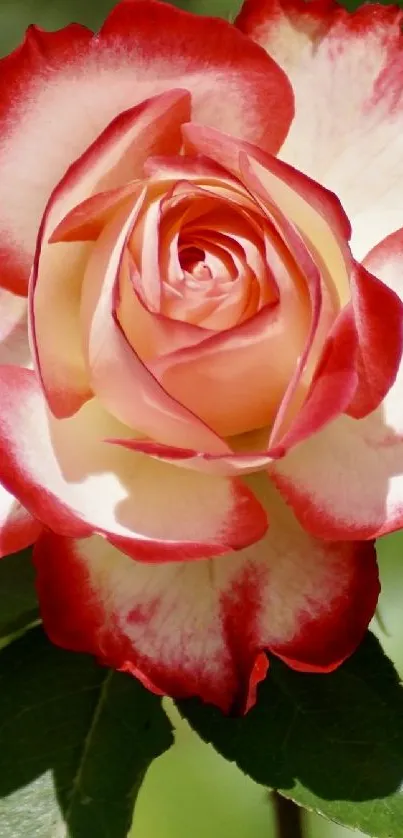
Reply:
x=288, y=817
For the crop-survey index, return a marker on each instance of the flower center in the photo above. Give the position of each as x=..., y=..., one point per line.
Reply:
x=193, y=261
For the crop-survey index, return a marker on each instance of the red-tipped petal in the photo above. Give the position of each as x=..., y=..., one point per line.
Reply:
x=349, y=143
x=113, y=159
x=61, y=89
x=346, y=481
x=200, y=628
x=76, y=483
x=18, y=529
x=378, y=318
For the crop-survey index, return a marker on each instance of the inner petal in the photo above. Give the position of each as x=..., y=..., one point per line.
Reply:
x=193, y=262
x=206, y=245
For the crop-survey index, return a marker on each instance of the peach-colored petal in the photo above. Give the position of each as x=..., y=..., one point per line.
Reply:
x=118, y=376
x=86, y=221
x=322, y=302
x=59, y=268
x=307, y=205
x=236, y=381
x=150, y=334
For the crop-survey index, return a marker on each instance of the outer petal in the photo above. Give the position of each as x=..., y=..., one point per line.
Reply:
x=347, y=480
x=333, y=388
x=220, y=70
x=199, y=628
x=76, y=483
x=360, y=361
x=14, y=346
x=378, y=318
x=17, y=527
x=75, y=83
x=24, y=190
x=351, y=144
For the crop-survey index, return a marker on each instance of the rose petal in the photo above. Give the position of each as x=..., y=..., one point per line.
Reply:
x=346, y=481
x=119, y=378
x=222, y=71
x=59, y=268
x=150, y=334
x=235, y=380
x=198, y=629
x=18, y=529
x=256, y=358
x=86, y=221
x=75, y=83
x=332, y=390
x=351, y=144
x=315, y=212
x=378, y=318
x=76, y=483
x=14, y=346
x=26, y=80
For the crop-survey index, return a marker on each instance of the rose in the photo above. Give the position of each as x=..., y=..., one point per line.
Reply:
x=209, y=433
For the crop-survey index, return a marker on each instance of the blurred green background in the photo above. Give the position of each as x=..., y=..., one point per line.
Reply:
x=191, y=792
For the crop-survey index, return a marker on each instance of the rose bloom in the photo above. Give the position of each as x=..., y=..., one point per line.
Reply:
x=201, y=415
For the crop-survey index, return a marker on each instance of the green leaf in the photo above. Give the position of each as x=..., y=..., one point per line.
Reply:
x=18, y=602
x=333, y=743
x=75, y=742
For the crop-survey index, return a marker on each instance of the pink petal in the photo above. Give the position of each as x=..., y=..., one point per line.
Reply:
x=200, y=628
x=305, y=210
x=198, y=169
x=59, y=268
x=14, y=346
x=315, y=212
x=257, y=358
x=34, y=160
x=18, y=529
x=86, y=221
x=326, y=279
x=150, y=334
x=346, y=481
x=229, y=464
x=349, y=143
x=235, y=380
x=61, y=89
x=358, y=366
x=378, y=317
x=333, y=388
x=76, y=483
x=118, y=376
x=221, y=70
